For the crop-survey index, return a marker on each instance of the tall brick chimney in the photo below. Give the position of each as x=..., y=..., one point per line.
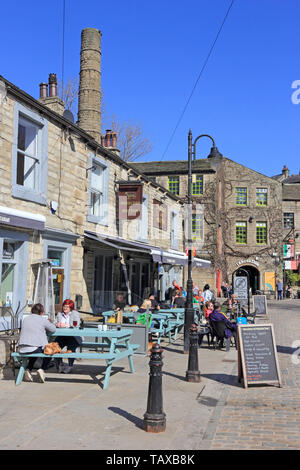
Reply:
x=89, y=98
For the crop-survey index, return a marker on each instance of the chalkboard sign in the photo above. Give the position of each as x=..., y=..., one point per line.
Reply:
x=260, y=304
x=257, y=355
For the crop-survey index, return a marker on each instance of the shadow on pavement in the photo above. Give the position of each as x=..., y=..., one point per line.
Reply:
x=286, y=349
x=224, y=379
x=138, y=422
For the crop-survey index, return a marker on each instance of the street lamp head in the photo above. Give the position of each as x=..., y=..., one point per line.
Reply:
x=214, y=153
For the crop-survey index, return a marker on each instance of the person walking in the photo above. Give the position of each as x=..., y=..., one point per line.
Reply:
x=33, y=339
x=279, y=287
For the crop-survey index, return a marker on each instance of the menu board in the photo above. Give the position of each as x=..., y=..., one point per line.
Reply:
x=260, y=304
x=257, y=355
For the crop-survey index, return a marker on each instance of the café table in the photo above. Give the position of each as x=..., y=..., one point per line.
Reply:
x=115, y=341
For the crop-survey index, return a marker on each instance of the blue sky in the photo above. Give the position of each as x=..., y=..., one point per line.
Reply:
x=152, y=54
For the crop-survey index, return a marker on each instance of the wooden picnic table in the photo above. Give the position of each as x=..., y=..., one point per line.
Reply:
x=116, y=343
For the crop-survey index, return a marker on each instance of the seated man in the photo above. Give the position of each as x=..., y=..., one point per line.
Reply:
x=119, y=303
x=179, y=300
x=230, y=328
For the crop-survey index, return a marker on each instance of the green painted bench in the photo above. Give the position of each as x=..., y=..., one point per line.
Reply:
x=117, y=343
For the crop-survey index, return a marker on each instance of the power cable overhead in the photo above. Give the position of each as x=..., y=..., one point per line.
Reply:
x=198, y=78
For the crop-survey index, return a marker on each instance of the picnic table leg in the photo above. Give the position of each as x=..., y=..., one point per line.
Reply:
x=130, y=359
x=175, y=333
x=107, y=374
x=21, y=371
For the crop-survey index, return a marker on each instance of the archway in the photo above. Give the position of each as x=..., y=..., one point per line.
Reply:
x=254, y=277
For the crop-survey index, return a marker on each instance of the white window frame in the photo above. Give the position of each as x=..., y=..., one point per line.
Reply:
x=174, y=218
x=103, y=217
x=38, y=194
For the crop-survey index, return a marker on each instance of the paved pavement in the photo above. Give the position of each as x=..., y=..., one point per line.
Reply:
x=73, y=412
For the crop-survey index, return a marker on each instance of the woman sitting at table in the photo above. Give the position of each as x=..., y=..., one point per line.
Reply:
x=208, y=309
x=230, y=328
x=68, y=318
x=154, y=303
x=33, y=339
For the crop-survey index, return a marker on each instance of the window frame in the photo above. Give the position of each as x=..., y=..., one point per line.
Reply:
x=288, y=227
x=265, y=191
x=39, y=193
x=236, y=196
x=174, y=222
x=177, y=183
x=196, y=238
x=258, y=226
x=160, y=215
x=240, y=224
x=103, y=217
x=201, y=185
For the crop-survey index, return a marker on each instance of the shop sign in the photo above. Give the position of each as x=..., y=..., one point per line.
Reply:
x=246, y=261
x=130, y=199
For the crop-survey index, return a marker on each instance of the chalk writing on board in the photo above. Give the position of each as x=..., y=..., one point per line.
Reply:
x=259, y=354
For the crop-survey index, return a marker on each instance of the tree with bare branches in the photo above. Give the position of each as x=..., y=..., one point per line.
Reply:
x=131, y=142
x=68, y=92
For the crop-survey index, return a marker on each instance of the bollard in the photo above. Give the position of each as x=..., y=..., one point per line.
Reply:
x=193, y=374
x=155, y=418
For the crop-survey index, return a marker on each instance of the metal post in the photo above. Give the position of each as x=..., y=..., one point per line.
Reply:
x=189, y=311
x=155, y=418
x=193, y=374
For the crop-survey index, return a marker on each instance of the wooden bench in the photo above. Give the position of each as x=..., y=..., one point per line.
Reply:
x=116, y=341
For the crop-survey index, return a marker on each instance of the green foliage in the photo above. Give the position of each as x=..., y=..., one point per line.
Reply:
x=292, y=278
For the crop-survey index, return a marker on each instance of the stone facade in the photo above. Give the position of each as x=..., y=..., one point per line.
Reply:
x=64, y=210
x=221, y=179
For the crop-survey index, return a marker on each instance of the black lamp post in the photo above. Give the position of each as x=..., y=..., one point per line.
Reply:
x=189, y=311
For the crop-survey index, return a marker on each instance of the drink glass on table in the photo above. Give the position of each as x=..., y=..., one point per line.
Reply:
x=75, y=323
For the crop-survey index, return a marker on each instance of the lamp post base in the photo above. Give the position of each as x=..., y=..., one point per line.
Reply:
x=154, y=423
x=193, y=376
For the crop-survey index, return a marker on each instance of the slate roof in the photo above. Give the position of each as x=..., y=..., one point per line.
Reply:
x=291, y=179
x=178, y=166
x=291, y=192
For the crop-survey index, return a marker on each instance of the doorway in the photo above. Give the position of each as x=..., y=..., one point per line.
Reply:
x=254, y=277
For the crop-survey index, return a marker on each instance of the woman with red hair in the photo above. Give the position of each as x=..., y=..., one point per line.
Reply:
x=66, y=319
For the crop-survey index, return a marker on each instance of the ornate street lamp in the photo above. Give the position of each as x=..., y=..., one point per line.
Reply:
x=189, y=311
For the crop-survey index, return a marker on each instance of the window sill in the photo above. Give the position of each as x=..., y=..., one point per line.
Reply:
x=97, y=220
x=27, y=195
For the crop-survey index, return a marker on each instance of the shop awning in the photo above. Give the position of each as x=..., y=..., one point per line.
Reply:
x=201, y=263
x=18, y=218
x=175, y=258
x=118, y=244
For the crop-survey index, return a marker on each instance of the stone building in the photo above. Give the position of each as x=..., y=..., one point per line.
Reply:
x=291, y=220
x=67, y=197
x=237, y=218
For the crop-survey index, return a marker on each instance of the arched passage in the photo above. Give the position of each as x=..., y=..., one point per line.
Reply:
x=254, y=276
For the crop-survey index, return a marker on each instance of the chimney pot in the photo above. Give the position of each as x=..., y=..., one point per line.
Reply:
x=108, y=138
x=102, y=140
x=52, y=84
x=43, y=90
x=114, y=139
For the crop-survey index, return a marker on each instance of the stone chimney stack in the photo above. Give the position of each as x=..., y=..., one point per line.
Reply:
x=285, y=171
x=89, y=98
x=52, y=101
